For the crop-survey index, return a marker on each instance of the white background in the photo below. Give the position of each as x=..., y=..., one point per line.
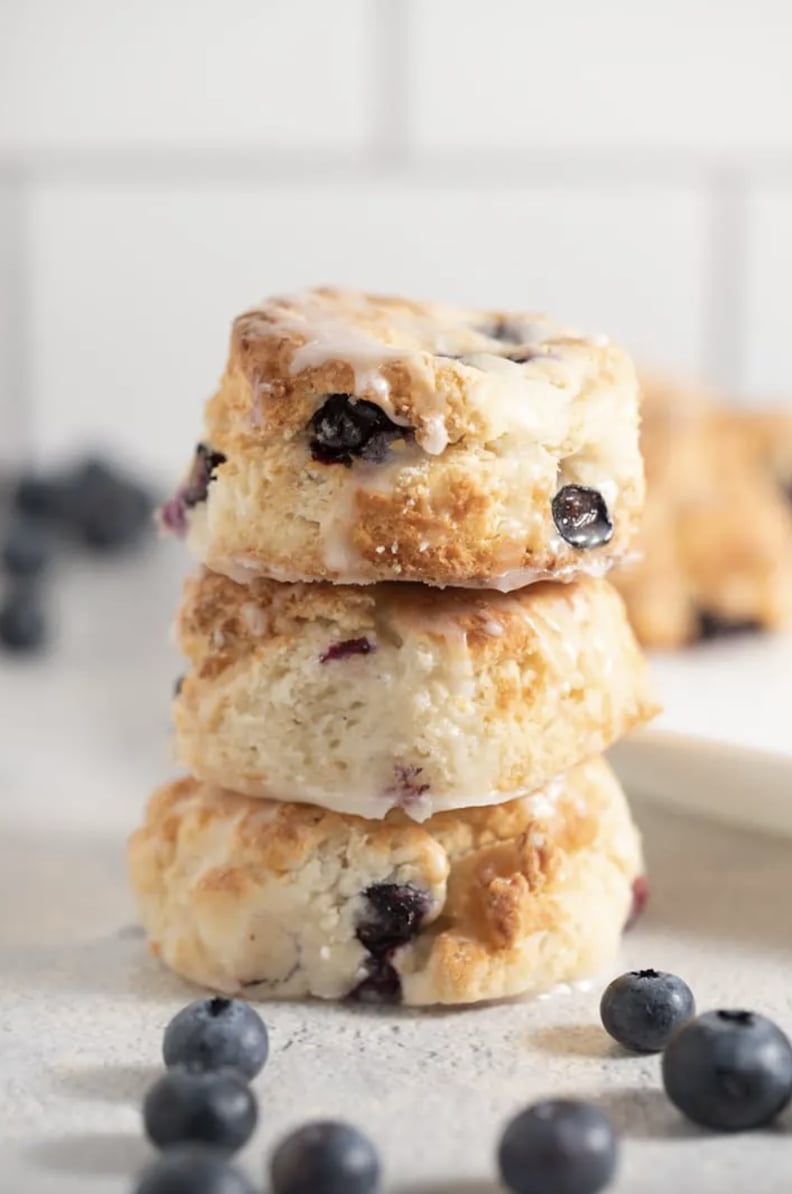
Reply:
x=164, y=163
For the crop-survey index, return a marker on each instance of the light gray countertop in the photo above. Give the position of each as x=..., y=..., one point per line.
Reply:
x=82, y=1006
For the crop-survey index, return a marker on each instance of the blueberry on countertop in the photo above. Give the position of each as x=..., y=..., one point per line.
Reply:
x=215, y=1108
x=215, y=1034
x=581, y=516
x=23, y=626
x=343, y=429
x=643, y=1009
x=325, y=1158
x=729, y=1070
x=563, y=1146
x=38, y=496
x=192, y=1169
x=104, y=509
x=26, y=548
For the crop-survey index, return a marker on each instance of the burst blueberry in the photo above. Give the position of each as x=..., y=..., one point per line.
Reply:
x=581, y=516
x=215, y=1108
x=325, y=1158
x=565, y=1146
x=729, y=1070
x=344, y=429
x=216, y=1034
x=394, y=913
x=643, y=1009
x=192, y=1169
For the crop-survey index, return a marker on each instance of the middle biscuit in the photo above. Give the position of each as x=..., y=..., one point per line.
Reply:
x=365, y=699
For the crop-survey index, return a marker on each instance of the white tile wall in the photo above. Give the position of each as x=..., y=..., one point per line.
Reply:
x=184, y=72
x=707, y=75
x=164, y=163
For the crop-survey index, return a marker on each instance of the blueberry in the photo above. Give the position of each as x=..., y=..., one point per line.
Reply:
x=343, y=429
x=381, y=985
x=325, y=1158
x=729, y=1070
x=22, y=623
x=216, y=1034
x=216, y=1108
x=394, y=913
x=192, y=1169
x=581, y=516
x=643, y=1009
x=713, y=626
x=349, y=646
x=26, y=550
x=562, y=1145
x=393, y=916
x=104, y=509
x=38, y=496
x=504, y=330
x=192, y=491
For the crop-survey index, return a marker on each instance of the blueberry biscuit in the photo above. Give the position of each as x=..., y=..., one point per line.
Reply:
x=366, y=698
x=281, y=900
x=716, y=537
x=356, y=439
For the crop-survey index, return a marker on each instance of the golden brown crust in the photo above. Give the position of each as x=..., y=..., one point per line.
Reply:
x=519, y=897
x=464, y=496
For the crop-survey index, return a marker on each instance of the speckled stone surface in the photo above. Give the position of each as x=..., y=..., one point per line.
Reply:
x=82, y=1006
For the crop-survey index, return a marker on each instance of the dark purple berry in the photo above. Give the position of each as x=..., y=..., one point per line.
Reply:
x=561, y=1146
x=23, y=626
x=729, y=1070
x=192, y=491
x=38, y=496
x=27, y=548
x=581, y=516
x=343, y=429
x=408, y=787
x=644, y=1008
x=325, y=1158
x=381, y=985
x=215, y=1108
x=349, y=646
x=192, y=1169
x=393, y=916
x=216, y=1034
x=713, y=626
x=102, y=508
x=506, y=331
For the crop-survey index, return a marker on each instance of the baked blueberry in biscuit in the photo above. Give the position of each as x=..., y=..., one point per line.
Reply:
x=581, y=516
x=344, y=429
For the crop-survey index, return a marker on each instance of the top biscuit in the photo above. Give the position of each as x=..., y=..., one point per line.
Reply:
x=356, y=439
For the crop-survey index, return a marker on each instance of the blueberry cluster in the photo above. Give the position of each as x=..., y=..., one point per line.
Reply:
x=202, y=1110
x=725, y=1070
x=91, y=505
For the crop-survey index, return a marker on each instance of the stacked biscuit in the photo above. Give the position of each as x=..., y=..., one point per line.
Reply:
x=716, y=540
x=395, y=711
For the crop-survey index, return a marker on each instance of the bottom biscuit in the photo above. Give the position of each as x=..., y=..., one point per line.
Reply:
x=285, y=900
